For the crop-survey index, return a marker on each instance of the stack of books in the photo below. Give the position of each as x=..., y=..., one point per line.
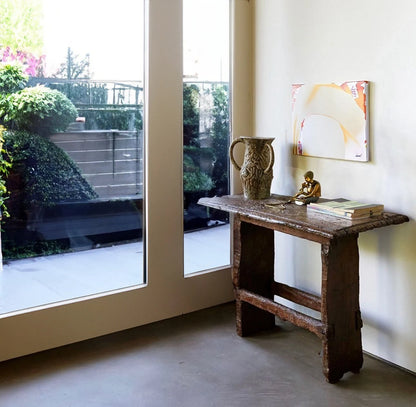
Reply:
x=346, y=209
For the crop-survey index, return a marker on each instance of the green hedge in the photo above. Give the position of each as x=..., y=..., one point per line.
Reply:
x=48, y=173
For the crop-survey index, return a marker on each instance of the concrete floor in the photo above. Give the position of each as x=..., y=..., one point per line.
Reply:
x=197, y=360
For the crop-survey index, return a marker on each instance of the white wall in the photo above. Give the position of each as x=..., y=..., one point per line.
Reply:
x=298, y=41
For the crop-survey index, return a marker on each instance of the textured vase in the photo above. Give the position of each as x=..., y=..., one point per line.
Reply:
x=256, y=172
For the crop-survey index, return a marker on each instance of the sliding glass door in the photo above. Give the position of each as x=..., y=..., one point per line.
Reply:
x=206, y=132
x=159, y=289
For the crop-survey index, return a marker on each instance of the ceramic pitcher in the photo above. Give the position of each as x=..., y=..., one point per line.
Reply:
x=256, y=172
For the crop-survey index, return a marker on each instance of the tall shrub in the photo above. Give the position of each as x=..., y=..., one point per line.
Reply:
x=194, y=180
x=190, y=114
x=220, y=133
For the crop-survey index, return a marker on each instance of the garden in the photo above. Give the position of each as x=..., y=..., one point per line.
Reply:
x=36, y=174
x=44, y=193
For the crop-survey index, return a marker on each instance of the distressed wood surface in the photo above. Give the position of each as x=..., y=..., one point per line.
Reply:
x=297, y=296
x=319, y=328
x=253, y=269
x=297, y=220
x=342, y=352
x=253, y=274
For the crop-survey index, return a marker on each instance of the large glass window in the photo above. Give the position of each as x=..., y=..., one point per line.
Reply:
x=73, y=131
x=166, y=292
x=206, y=131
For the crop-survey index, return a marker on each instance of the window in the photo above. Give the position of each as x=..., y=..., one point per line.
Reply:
x=206, y=131
x=76, y=184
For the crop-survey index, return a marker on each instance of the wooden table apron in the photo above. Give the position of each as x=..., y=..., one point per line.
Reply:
x=253, y=274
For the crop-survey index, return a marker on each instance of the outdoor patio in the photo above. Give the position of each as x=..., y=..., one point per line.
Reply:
x=33, y=282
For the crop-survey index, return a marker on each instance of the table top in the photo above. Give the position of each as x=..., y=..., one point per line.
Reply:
x=297, y=220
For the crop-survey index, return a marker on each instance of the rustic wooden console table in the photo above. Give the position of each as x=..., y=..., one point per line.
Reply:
x=253, y=274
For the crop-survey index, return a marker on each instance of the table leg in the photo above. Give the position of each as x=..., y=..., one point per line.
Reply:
x=253, y=270
x=342, y=350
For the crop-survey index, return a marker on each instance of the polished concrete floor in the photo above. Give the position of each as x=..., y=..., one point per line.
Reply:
x=197, y=360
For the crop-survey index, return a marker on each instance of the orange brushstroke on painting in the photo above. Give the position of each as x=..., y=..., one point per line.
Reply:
x=347, y=135
x=359, y=97
x=319, y=86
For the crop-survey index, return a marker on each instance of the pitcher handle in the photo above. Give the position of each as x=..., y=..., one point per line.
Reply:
x=270, y=166
x=236, y=141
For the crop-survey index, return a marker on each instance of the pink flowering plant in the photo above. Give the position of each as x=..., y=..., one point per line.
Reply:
x=32, y=65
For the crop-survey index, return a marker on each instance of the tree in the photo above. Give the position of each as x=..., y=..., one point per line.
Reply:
x=21, y=25
x=75, y=66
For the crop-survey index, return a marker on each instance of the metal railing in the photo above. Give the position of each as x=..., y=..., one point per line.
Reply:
x=96, y=92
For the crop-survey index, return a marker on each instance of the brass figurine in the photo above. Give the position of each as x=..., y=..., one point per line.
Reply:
x=310, y=191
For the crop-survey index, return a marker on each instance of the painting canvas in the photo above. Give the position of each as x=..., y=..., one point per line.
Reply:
x=331, y=120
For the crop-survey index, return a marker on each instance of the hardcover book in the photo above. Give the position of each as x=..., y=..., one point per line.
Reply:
x=347, y=208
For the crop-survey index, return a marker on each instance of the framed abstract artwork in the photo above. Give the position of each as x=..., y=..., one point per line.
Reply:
x=331, y=120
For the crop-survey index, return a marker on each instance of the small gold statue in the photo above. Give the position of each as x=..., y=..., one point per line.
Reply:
x=310, y=191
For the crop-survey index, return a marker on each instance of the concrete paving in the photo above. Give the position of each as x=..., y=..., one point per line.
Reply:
x=37, y=281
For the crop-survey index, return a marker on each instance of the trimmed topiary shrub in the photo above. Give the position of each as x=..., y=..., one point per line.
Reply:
x=37, y=109
x=42, y=176
x=48, y=174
